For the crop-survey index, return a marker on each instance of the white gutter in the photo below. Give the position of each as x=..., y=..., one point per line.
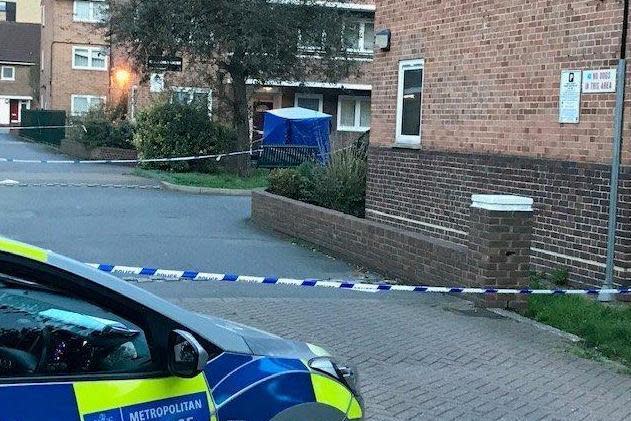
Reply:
x=19, y=63
x=337, y=4
x=23, y=97
x=324, y=85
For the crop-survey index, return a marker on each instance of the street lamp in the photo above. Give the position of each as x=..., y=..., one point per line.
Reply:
x=122, y=77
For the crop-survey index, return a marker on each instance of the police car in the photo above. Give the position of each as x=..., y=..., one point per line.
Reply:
x=79, y=344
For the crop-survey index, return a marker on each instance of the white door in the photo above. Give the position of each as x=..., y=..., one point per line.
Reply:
x=5, y=111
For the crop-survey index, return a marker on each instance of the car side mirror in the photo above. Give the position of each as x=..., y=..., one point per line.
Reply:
x=187, y=358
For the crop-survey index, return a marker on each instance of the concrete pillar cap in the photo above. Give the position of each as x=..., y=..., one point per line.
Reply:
x=501, y=202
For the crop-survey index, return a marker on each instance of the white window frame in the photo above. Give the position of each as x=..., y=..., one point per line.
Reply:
x=355, y=127
x=193, y=90
x=358, y=51
x=319, y=97
x=92, y=18
x=90, y=98
x=43, y=12
x=362, y=35
x=90, y=51
x=12, y=78
x=417, y=64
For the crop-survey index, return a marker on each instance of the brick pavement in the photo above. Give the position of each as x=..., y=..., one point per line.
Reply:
x=427, y=357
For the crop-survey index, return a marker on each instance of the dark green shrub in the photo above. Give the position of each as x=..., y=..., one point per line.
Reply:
x=103, y=127
x=339, y=185
x=285, y=182
x=174, y=130
x=560, y=277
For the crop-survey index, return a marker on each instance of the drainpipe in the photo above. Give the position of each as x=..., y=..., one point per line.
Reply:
x=621, y=76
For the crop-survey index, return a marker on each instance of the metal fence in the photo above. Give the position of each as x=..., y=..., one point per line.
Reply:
x=46, y=126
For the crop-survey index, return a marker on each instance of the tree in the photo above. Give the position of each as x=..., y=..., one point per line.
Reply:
x=238, y=41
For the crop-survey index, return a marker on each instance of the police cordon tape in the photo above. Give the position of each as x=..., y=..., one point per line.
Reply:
x=195, y=276
x=13, y=128
x=217, y=157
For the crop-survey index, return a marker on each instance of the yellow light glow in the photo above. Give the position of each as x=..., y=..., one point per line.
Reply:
x=122, y=77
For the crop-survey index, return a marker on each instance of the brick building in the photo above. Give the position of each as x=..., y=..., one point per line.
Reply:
x=19, y=69
x=79, y=68
x=347, y=101
x=77, y=61
x=467, y=101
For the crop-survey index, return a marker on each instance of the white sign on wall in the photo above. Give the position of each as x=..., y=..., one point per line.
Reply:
x=570, y=97
x=599, y=81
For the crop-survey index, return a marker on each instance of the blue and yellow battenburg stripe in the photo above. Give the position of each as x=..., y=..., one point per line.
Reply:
x=145, y=399
x=258, y=388
x=233, y=386
x=23, y=249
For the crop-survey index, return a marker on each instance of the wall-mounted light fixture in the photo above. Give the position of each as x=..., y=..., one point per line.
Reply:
x=382, y=39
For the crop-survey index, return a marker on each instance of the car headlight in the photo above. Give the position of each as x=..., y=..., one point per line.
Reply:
x=344, y=373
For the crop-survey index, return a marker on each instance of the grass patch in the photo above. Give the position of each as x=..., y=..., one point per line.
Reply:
x=218, y=180
x=606, y=328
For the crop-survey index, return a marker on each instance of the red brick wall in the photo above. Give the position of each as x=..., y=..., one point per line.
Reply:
x=410, y=257
x=429, y=192
x=492, y=72
x=490, y=124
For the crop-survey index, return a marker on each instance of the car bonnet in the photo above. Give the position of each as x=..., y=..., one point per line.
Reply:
x=228, y=335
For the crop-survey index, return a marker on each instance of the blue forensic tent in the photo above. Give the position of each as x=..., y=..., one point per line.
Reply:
x=297, y=126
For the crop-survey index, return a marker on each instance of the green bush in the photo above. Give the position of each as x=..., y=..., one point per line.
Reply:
x=174, y=130
x=339, y=185
x=285, y=182
x=103, y=127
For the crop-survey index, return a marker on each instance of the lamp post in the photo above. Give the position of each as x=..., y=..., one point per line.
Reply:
x=621, y=78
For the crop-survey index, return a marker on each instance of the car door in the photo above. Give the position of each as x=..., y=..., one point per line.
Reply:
x=74, y=354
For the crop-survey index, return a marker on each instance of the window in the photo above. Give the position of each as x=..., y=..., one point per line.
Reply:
x=81, y=104
x=201, y=97
x=311, y=101
x=44, y=332
x=89, y=11
x=43, y=13
x=89, y=58
x=360, y=37
x=7, y=73
x=7, y=11
x=156, y=82
x=409, y=101
x=353, y=114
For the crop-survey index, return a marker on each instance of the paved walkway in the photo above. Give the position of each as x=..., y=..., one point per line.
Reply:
x=427, y=357
x=139, y=227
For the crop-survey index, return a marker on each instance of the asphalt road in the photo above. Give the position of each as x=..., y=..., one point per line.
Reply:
x=13, y=147
x=140, y=227
x=420, y=357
